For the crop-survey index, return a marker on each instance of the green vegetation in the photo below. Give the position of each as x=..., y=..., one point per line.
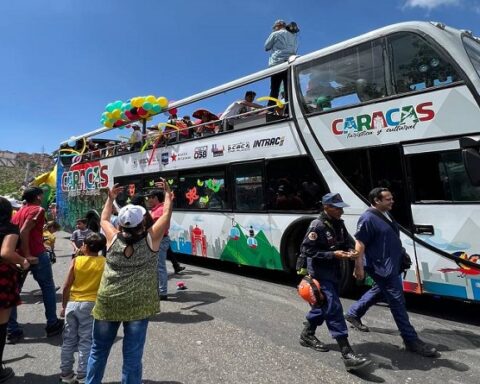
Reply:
x=11, y=179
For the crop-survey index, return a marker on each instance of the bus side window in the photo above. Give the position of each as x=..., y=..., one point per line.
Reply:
x=331, y=82
x=441, y=176
x=293, y=184
x=248, y=187
x=417, y=65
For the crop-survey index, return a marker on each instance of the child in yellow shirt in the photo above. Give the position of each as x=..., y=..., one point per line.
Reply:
x=79, y=295
x=49, y=238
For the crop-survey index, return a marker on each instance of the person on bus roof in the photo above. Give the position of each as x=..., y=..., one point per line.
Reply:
x=282, y=44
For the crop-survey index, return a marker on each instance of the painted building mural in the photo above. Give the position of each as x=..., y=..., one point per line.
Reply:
x=80, y=190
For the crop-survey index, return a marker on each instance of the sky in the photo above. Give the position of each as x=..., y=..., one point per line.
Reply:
x=62, y=61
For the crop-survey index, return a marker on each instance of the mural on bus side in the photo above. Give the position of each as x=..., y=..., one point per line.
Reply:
x=245, y=246
x=80, y=189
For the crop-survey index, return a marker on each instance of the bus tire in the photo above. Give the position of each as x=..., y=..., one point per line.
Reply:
x=291, y=241
x=290, y=247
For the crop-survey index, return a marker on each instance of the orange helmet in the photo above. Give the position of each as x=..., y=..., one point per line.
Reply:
x=309, y=290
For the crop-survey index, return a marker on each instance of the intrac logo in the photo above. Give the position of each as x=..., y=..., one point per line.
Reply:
x=392, y=120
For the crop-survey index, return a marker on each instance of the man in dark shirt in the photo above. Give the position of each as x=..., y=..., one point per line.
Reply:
x=378, y=238
x=326, y=244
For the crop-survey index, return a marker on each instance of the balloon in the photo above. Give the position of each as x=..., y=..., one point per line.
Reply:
x=136, y=102
x=134, y=111
x=150, y=99
x=156, y=108
x=173, y=111
x=278, y=102
x=142, y=112
x=72, y=142
x=108, y=124
x=104, y=114
x=110, y=107
x=116, y=114
x=109, y=115
x=118, y=104
x=141, y=100
x=147, y=106
x=162, y=102
x=129, y=115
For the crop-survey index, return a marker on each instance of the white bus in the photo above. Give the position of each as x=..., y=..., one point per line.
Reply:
x=397, y=107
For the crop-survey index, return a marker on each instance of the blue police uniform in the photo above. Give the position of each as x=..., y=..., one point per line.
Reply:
x=324, y=236
x=383, y=260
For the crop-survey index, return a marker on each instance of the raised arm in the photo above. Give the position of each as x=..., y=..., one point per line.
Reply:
x=161, y=225
x=9, y=254
x=108, y=228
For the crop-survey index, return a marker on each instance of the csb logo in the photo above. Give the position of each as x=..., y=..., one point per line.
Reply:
x=200, y=152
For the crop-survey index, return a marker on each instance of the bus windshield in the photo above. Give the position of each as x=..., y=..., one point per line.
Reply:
x=473, y=50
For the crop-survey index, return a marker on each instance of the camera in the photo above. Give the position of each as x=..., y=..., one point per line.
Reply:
x=292, y=27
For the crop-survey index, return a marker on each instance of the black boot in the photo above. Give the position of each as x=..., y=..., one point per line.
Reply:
x=422, y=348
x=308, y=339
x=351, y=360
x=5, y=373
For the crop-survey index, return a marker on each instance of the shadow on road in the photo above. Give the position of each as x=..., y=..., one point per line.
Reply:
x=190, y=317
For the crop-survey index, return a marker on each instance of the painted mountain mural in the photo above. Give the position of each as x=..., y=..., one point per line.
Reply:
x=264, y=255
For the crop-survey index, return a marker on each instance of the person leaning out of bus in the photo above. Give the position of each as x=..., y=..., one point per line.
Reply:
x=326, y=245
x=239, y=107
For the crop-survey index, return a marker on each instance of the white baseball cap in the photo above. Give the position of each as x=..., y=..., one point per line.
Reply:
x=130, y=216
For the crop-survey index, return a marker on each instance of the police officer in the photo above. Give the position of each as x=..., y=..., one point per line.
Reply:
x=378, y=237
x=326, y=243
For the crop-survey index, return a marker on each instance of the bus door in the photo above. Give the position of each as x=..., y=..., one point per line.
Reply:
x=446, y=218
x=251, y=223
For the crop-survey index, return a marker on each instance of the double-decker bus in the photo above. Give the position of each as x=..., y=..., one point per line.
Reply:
x=397, y=107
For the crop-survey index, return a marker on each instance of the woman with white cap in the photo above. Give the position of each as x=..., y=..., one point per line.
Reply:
x=128, y=289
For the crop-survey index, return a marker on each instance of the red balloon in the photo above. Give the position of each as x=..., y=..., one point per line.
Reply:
x=142, y=112
x=129, y=115
x=118, y=123
x=173, y=111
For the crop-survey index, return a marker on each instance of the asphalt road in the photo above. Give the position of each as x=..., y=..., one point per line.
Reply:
x=243, y=327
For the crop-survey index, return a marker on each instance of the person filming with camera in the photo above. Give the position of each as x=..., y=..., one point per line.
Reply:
x=282, y=43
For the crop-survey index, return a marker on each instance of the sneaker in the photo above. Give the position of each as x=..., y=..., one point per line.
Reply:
x=310, y=341
x=15, y=337
x=68, y=378
x=6, y=373
x=179, y=269
x=54, y=329
x=163, y=297
x=81, y=379
x=422, y=348
x=357, y=323
x=353, y=361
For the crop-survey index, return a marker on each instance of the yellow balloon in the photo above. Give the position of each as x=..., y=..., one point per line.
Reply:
x=136, y=102
x=116, y=114
x=151, y=99
x=141, y=100
x=278, y=102
x=162, y=102
x=167, y=125
x=109, y=115
x=108, y=124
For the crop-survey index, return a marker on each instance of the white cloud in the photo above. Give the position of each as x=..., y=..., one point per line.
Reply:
x=430, y=4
